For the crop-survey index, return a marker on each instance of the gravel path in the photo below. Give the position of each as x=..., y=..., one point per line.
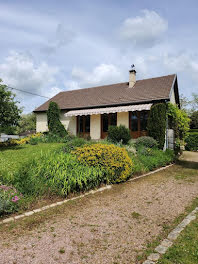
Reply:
x=108, y=227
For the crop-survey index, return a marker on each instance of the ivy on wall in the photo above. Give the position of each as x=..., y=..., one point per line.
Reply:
x=179, y=122
x=157, y=123
x=53, y=117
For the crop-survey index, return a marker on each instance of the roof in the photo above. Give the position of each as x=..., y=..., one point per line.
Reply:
x=146, y=90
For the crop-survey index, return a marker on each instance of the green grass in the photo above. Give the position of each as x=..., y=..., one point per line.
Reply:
x=11, y=158
x=185, y=249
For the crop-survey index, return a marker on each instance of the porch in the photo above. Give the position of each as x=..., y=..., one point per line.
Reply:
x=94, y=123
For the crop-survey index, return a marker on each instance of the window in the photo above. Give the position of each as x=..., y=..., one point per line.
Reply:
x=143, y=120
x=134, y=121
x=83, y=124
x=108, y=120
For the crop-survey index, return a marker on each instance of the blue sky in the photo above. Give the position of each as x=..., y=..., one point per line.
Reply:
x=51, y=46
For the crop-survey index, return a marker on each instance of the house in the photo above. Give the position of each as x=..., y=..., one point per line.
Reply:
x=90, y=111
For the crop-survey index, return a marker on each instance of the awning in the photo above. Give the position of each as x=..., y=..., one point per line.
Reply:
x=108, y=110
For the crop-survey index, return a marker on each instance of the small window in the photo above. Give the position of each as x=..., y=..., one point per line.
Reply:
x=83, y=124
x=134, y=121
x=87, y=123
x=143, y=120
x=113, y=119
x=105, y=122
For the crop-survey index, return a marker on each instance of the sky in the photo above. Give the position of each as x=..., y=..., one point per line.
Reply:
x=51, y=46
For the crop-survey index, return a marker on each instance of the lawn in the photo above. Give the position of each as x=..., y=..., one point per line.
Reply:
x=185, y=249
x=12, y=158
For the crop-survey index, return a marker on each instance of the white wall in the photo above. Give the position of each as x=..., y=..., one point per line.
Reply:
x=68, y=122
x=41, y=122
x=95, y=126
x=172, y=97
x=123, y=119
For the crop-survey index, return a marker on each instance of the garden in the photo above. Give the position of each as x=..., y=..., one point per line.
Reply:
x=54, y=165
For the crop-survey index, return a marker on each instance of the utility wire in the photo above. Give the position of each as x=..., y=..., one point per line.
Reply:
x=27, y=92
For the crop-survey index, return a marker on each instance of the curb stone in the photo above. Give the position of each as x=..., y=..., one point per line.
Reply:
x=26, y=214
x=168, y=242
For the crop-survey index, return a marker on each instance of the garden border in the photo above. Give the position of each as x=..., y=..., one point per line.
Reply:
x=26, y=214
x=161, y=249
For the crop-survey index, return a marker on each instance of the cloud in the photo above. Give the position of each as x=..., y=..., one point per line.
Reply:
x=20, y=71
x=182, y=62
x=100, y=75
x=62, y=37
x=145, y=30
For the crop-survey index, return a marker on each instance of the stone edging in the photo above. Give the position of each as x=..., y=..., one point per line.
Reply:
x=11, y=219
x=168, y=242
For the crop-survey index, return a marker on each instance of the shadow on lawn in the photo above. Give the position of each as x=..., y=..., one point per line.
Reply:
x=11, y=148
x=188, y=164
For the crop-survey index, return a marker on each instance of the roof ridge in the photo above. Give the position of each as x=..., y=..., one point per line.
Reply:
x=112, y=84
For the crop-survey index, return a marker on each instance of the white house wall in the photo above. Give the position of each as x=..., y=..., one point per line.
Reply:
x=172, y=97
x=123, y=119
x=41, y=122
x=95, y=126
x=68, y=122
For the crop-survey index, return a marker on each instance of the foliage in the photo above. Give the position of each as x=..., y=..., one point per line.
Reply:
x=192, y=141
x=157, y=123
x=9, y=110
x=74, y=143
x=148, y=142
x=9, y=198
x=26, y=123
x=154, y=158
x=12, y=158
x=178, y=120
x=119, y=134
x=58, y=173
x=194, y=120
x=110, y=158
x=54, y=124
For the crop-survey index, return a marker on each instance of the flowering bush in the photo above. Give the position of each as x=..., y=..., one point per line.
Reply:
x=9, y=198
x=112, y=159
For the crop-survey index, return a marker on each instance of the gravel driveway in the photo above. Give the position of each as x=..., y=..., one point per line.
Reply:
x=108, y=227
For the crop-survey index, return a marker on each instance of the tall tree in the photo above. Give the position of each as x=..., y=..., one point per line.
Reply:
x=9, y=110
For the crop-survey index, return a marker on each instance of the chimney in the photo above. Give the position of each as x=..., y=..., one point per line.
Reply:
x=132, y=78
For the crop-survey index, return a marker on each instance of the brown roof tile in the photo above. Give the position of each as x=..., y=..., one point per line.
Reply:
x=115, y=94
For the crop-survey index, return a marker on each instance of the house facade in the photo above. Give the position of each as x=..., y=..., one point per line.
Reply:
x=89, y=112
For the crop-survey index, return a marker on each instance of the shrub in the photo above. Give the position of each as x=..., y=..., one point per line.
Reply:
x=192, y=141
x=155, y=158
x=148, y=142
x=110, y=158
x=74, y=143
x=157, y=123
x=58, y=173
x=53, y=117
x=119, y=134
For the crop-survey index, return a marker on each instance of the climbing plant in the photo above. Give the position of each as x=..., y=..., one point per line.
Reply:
x=157, y=123
x=178, y=121
x=53, y=117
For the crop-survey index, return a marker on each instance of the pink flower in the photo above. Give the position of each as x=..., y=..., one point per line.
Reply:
x=15, y=199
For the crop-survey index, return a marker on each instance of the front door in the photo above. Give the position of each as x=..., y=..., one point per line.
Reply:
x=83, y=126
x=138, y=123
x=106, y=121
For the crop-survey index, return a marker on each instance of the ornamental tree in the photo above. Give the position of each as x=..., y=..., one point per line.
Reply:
x=53, y=117
x=157, y=123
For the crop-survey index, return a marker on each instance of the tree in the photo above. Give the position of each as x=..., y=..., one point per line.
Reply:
x=9, y=110
x=53, y=117
x=27, y=122
x=194, y=120
x=194, y=101
x=157, y=123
